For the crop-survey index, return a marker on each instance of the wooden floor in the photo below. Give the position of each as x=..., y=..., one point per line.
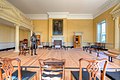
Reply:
x=71, y=56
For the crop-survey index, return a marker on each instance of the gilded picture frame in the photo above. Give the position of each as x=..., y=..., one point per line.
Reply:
x=57, y=27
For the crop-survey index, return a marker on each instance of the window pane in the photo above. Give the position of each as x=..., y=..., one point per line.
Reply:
x=103, y=28
x=101, y=32
x=98, y=33
x=103, y=38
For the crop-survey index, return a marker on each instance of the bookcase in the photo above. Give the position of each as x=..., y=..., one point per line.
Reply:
x=77, y=41
x=38, y=39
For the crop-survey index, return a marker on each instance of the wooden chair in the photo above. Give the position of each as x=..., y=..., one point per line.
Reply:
x=25, y=41
x=90, y=72
x=52, y=69
x=23, y=48
x=7, y=71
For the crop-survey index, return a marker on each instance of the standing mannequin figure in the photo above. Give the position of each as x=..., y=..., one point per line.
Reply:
x=33, y=44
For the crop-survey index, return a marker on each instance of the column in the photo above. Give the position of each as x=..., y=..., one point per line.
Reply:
x=31, y=32
x=17, y=38
x=117, y=33
x=29, y=35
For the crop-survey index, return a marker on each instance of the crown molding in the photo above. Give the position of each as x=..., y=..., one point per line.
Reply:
x=80, y=16
x=37, y=16
x=116, y=11
x=59, y=15
x=107, y=5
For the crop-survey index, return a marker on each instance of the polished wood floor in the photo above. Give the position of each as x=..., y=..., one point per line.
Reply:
x=71, y=56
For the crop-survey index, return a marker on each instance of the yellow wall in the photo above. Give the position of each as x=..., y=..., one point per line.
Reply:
x=82, y=25
x=119, y=20
x=70, y=26
x=23, y=34
x=41, y=26
x=110, y=31
x=7, y=34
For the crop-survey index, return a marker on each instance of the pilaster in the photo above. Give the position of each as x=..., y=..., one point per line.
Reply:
x=117, y=33
x=17, y=38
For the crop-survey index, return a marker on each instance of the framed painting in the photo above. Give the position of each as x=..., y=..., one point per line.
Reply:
x=57, y=27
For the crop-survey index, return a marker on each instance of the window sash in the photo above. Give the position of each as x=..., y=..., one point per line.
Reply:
x=101, y=32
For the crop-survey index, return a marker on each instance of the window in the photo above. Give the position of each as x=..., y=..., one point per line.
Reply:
x=101, y=32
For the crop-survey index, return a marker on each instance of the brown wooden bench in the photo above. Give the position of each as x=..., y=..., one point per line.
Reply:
x=112, y=54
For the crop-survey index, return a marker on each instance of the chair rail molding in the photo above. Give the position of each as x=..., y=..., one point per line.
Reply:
x=4, y=45
x=12, y=14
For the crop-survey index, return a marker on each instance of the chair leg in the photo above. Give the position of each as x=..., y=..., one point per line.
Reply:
x=35, y=77
x=71, y=77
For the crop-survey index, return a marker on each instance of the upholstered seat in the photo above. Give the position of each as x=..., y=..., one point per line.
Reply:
x=49, y=76
x=113, y=75
x=26, y=75
x=85, y=75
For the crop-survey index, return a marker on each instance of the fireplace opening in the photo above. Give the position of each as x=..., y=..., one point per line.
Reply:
x=58, y=43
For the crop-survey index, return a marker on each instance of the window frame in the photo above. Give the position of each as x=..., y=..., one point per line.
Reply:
x=100, y=34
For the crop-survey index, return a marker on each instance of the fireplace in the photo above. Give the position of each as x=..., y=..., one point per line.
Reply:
x=57, y=40
x=57, y=44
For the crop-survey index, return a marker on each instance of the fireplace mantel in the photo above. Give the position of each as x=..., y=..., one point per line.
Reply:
x=57, y=37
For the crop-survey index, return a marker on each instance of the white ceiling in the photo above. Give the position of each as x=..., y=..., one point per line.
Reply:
x=71, y=6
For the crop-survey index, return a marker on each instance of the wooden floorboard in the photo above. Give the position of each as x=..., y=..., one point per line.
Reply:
x=71, y=56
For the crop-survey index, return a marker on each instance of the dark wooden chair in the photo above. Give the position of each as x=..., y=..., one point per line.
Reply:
x=25, y=41
x=90, y=72
x=87, y=47
x=7, y=71
x=52, y=69
x=24, y=47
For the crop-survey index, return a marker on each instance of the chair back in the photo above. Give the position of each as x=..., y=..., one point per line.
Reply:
x=8, y=68
x=93, y=68
x=52, y=68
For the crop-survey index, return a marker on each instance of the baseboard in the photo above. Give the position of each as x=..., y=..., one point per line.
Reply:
x=6, y=49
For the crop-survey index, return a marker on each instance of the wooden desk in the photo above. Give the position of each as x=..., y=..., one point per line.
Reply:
x=112, y=54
